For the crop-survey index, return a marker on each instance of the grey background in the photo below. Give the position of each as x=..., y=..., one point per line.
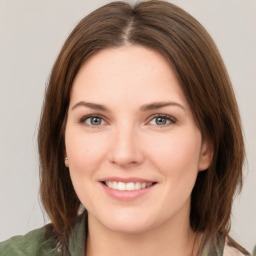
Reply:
x=31, y=34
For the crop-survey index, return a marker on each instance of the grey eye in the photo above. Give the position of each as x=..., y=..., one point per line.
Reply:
x=162, y=120
x=93, y=120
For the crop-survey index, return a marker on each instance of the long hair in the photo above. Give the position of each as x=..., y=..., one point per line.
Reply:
x=195, y=59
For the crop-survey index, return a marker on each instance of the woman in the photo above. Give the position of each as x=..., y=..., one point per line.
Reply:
x=140, y=127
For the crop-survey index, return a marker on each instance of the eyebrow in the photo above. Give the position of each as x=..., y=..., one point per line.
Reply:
x=143, y=108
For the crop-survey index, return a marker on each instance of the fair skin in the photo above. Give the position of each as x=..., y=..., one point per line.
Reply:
x=122, y=139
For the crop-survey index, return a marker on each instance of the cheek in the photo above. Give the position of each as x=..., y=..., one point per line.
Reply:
x=177, y=154
x=176, y=158
x=84, y=152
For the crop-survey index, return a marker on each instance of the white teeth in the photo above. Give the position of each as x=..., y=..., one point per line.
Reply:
x=130, y=186
x=114, y=185
x=121, y=186
x=127, y=186
x=137, y=185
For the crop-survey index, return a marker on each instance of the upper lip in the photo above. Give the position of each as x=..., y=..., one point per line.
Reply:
x=128, y=179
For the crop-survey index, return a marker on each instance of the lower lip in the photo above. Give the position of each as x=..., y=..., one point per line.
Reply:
x=127, y=195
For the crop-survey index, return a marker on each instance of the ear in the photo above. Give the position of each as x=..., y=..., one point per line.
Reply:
x=206, y=155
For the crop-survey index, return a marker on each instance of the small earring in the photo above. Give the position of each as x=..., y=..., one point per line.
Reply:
x=66, y=158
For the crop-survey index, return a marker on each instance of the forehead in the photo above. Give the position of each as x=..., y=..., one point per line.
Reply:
x=128, y=72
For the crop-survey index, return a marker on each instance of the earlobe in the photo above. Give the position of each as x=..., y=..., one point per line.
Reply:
x=65, y=158
x=206, y=155
x=66, y=161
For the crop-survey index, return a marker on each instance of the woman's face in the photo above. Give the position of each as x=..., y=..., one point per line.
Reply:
x=133, y=147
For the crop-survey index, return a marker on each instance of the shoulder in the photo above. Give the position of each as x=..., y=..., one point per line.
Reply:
x=35, y=242
x=230, y=250
x=221, y=245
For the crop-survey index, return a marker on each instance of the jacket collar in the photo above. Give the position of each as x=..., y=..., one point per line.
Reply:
x=77, y=237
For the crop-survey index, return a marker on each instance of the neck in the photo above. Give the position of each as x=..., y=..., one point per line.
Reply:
x=164, y=240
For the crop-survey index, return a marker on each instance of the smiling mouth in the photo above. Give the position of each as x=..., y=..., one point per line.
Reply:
x=129, y=186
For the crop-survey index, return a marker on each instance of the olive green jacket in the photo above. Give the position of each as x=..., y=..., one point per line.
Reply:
x=37, y=243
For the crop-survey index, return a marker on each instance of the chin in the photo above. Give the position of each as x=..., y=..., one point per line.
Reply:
x=128, y=227
x=128, y=222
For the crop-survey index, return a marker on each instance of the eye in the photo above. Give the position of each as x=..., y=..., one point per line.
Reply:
x=92, y=121
x=162, y=120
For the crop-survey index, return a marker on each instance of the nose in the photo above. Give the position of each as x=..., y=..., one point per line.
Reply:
x=125, y=150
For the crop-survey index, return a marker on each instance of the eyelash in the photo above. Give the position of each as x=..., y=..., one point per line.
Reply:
x=83, y=120
x=169, y=119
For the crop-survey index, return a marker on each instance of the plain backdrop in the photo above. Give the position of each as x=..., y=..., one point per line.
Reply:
x=31, y=35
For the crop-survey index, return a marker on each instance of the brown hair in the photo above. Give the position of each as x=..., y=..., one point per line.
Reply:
x=203, y=77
